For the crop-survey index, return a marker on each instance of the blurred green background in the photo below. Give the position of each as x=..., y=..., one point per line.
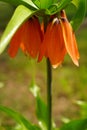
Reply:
x=69, y=81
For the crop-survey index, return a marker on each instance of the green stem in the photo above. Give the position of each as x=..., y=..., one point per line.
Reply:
x=49, y=96
x=49, y=80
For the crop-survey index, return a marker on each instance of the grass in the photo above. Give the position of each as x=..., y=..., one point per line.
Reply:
x=69, y=84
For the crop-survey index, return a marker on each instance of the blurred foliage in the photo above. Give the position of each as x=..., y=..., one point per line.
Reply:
x=70, y=82
x=6, y=13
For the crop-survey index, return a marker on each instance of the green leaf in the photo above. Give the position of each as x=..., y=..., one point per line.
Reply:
x=75, y=125
x=41, y=108
x=7, y=11
x=34, y=89
x=63, y=4
x=42, y=113
x=58, y=6
x=80, y=13
x=36, y=2
x=21, y=14
x=44, y=4
x=27, y=3
x=25, y=124
x=83, y=108
x=19, y=127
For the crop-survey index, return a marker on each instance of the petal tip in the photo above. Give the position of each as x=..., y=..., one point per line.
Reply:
x=76, y=63
x=56, y=65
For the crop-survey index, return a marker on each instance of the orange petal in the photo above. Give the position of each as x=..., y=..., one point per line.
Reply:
x=15, y=43
x=70, y=41
x=58, y=48
x=42, y=29
x=43, y=47
x=75, y=46
x=32, y=37
x=53, y=45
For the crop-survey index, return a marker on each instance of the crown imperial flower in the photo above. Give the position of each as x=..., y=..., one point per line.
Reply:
x=59, y=39
x=54, y=43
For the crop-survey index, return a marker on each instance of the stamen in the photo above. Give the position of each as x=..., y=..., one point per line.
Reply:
x=63, y=19
x=63, y=14
x=55, y=21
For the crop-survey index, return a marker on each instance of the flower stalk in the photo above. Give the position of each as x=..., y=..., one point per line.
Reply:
x=49, y=94
x=49, y=83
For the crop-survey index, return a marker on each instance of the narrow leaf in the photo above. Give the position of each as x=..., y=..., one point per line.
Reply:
x=75, y=125
x=58, y=6
x=41, y=108
x=63, y=4
x=44, y=4
x=36, y=2
x=20, y=15
x=42, y=113
x=18, y=118
x=79, y=16
x=27, y=3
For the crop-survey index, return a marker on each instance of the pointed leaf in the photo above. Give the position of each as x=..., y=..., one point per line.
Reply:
x=45, y=3
x=78, y=18
x=20, y=15
x=58, y=6
x=75, y=125
x=36, y=2
x=19, y=118
x=63, y=4
x=42, y=113
x=27, y=3
x=34, y=89
x=41, y=108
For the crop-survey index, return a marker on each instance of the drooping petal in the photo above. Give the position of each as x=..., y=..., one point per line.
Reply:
x=70, y=41
x=75, y=45
x=43, y=47
x=32, y=37
x=69, y=38
x=15, y=43
x=53, y=45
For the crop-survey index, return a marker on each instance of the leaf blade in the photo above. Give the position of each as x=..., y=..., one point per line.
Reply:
x=41, y=107
x=18, y=118
x=80, y=13
x=58, y=6
x=75, y=125
x=45, y=3
x=41, y=112
x=27, y=3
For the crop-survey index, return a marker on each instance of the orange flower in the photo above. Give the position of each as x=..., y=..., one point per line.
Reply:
x=59, y=39
x=28, y=37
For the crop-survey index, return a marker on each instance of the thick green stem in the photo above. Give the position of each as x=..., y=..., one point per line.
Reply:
x=49, y=83
x=49, y=96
